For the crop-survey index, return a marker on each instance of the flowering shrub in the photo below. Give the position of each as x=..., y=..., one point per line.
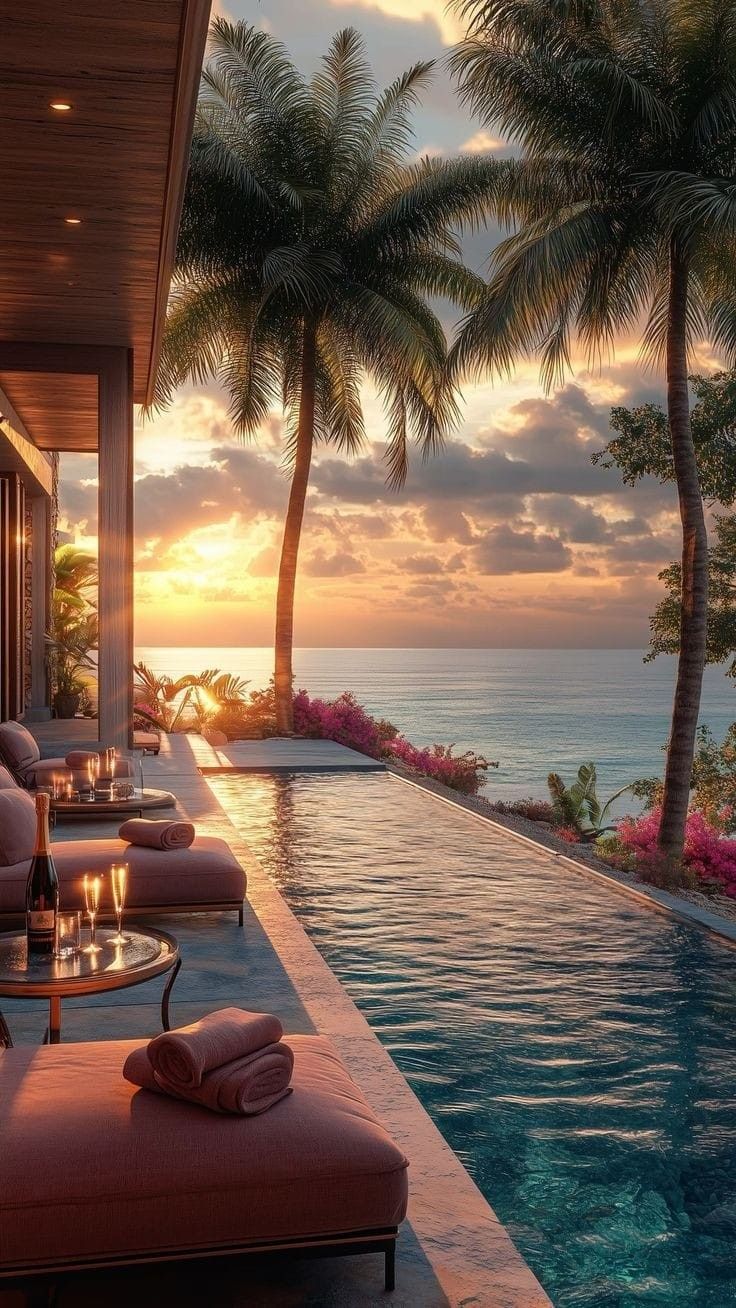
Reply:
x=463, y=772
x=343, y=720
x=347, y=722
x=708, y=855
x=570, y=834
x=535, y=810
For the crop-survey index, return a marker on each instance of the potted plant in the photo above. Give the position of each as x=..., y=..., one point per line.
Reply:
x=70, y=659
x=74, y=630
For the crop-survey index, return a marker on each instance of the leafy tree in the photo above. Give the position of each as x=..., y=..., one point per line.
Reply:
x=309, y=250
x=713, y=781
x=643, y=448
x=622, y=205
x=721, y=635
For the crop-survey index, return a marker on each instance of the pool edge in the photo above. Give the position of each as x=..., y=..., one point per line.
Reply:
x=662, y=901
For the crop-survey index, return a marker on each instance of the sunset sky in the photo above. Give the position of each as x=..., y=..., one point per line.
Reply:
x=511, y=537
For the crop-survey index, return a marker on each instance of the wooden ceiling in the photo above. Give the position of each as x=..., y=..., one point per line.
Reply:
x=117, y=161
x=59, y=409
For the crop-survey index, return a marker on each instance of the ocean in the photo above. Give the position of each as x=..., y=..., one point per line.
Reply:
x=534, y=711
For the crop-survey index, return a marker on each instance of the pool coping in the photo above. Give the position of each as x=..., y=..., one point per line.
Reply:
x=661, y=901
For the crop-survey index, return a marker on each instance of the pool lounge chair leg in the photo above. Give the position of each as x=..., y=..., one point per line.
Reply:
x=240, y=916
x=390, y=1266
x=167, y=995
x=6, y=1040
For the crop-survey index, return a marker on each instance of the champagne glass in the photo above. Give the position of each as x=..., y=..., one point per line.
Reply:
x=119, y=880
x=92, y=902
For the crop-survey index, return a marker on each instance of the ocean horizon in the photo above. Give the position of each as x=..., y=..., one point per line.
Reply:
x=532, y=710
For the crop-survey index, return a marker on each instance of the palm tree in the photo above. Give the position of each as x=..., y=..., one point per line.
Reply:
x=308, y=251
x=622, y=212
x=75, y=575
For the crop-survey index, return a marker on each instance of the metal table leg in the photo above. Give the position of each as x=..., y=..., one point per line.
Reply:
x=54, y=1031
x=167, y=995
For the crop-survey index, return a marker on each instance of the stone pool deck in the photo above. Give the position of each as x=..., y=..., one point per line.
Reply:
x=453, y=1251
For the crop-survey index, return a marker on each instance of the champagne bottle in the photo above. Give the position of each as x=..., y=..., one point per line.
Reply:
x=42, y=889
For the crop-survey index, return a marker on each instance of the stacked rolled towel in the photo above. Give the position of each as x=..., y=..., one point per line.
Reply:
x=165, y=834
x=231, y=1061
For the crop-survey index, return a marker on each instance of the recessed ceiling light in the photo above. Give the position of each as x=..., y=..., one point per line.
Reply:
x=73, y=222
x=60, y=106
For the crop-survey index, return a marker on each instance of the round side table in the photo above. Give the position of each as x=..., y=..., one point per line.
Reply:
x=146, y=954
x=134, y=805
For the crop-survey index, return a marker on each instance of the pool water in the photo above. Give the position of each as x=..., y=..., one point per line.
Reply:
x=577, y=1050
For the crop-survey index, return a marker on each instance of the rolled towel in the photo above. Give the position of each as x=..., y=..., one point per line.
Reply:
x=183, y=1057
x=164, y=834
x=246, y=1086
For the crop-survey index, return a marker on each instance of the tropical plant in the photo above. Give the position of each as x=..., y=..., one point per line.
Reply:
x=622, y=204
x=309, y=251
x=184, y=703
x=71, y=654
x=75, y=579
x=578, y=807
x=74, y=634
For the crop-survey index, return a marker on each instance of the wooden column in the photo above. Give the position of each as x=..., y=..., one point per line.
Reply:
x=115, y=531
x=40, y=599
x=12, y=560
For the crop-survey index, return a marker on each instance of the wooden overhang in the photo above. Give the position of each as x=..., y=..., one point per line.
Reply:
x=116, y=161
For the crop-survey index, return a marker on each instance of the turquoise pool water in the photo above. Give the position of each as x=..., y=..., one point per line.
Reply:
x=577, y=1051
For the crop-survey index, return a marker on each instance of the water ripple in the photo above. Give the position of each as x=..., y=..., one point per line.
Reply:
x=577, y=1050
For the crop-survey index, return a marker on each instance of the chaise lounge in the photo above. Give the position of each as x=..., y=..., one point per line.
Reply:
x=98, y=1174
x=206, y=877
x=20, y=754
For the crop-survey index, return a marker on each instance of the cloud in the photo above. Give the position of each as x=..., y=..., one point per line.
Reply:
x=481, y=142
x=339, y=564
x=415, y=11
x=421, y=563
x=503, y=550
x=237, y=481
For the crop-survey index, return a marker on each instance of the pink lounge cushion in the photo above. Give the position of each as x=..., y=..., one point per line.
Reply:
x=185, y=1055
x=7, y=780
x=166, y=833
x=207, y=873
x=17, y=746
x=78, y=1144
x=17, y=827
x=245, y=1086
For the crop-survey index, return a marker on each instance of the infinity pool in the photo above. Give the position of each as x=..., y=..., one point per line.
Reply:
x=577, y=1051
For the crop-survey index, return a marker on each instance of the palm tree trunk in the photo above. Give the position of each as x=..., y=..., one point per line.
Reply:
x=284, y=640
x=694, y=605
